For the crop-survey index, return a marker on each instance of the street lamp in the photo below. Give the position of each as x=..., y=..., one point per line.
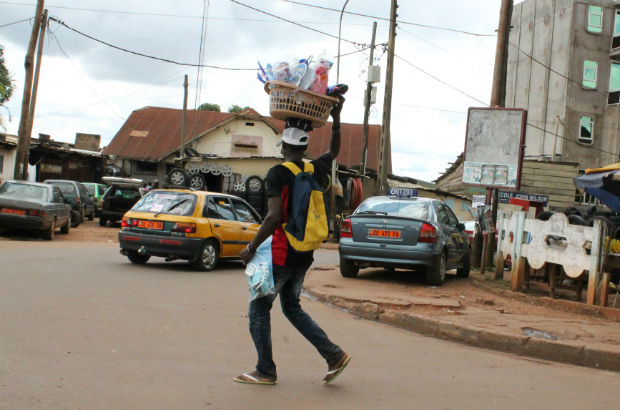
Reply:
x=332, y=195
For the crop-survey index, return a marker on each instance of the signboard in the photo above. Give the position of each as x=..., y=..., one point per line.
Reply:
x=403, y=192
x=478, y=200
x=504, y=197
x=494, y=147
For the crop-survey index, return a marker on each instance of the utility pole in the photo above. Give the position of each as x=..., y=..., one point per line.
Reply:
x=367, y=104
x=35, y=87
x=184, y=121
x=387, y=106
x=498, y=99
x=23, y=142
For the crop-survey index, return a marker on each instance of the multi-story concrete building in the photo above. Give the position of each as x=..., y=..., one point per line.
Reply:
x=564, y=69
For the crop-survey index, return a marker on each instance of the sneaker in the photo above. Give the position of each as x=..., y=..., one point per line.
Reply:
x=255, y=377
x=337, y=368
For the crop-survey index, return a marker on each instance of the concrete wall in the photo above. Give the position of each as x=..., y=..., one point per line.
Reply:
x=8, y=163
x=592, y=102
x=553, y=33
x=88, y=142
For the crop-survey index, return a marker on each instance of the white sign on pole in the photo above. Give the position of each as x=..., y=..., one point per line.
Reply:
x=478, y=200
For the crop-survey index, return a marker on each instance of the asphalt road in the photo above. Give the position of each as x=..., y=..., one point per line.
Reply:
x=83, y=328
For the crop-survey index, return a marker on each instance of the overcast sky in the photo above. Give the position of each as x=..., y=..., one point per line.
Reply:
x=86, y=86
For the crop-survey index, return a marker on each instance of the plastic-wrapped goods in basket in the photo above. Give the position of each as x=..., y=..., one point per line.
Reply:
x=322, y=76
x=299, y=72
x=282, y=72
x=259, y=272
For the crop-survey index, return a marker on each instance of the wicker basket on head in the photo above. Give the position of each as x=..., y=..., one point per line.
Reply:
x=288, y=101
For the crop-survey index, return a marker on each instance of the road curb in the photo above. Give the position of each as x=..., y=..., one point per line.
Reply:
x=509, y=343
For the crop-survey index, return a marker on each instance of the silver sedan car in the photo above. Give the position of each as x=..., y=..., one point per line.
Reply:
x=404, y=232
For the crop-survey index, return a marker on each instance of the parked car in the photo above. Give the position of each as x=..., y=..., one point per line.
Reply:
x=199, y=226
x=404, y=232
x=121, y=195
x=471, y=229
x=96, y=191
x=34, y=206
x=82, y=205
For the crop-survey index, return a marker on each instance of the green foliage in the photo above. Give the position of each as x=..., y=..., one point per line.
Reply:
x=6, y=82
x=210, y=107
x=235, y=108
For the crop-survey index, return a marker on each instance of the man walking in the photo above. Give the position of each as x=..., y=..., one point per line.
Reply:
x=289, y=266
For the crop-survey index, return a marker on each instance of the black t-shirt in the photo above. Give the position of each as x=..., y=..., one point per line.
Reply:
x=280, y=182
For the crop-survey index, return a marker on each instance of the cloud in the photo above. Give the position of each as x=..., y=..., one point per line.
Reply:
x=94, y=88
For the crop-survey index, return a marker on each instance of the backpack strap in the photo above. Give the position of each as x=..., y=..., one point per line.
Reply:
x=308, y=167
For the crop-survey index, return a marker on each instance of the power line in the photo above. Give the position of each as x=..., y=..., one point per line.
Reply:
x=441, y=81
x=146, y=55
x=15, y=22
x=297, y=24
x=80, y=73
x=397, y=21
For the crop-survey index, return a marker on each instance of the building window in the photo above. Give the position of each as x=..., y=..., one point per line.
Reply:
x=590, y=70
x=595, y=19
x=615, y=39
x=146, y=168
x=614, y=84
x=586, y=129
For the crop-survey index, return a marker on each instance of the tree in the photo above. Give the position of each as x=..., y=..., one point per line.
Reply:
x=210, y=107
x=6, y=84
x=235, y=108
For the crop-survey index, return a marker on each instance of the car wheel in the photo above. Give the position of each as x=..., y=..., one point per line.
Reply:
x=91, y=216
x=48, y=234
x=254, y=185
x=65, y=228
x=75, y=219
x=138, y=259
x=178, y=177
x=348, y=268
x=197, y=182
x=464, y=271
x=102, y=221
x=574, y=219
x=436, y=275
x=208, y=257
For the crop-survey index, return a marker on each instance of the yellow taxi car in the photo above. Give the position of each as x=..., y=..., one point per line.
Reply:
x=201, y=227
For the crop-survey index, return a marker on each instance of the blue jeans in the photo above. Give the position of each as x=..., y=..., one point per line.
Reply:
x=288, y=282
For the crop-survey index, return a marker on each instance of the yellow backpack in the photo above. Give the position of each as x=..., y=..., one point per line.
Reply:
x=306, y=227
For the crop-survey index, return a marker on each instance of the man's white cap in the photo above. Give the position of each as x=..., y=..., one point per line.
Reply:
x=294, y=136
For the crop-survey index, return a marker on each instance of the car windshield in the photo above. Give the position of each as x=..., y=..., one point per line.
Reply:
x=67, y=188
x=22, y=191
x=164, y=202
x=394, y=207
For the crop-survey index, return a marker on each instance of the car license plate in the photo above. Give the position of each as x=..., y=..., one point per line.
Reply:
x=13, y=211
x=383, y=233
x=151, y=225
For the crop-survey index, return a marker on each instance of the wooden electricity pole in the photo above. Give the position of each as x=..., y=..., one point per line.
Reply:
x=23, y=142
x=184, y=121
x=387, y=107
x=367, y=104
x=498, y=99
x=35, y=87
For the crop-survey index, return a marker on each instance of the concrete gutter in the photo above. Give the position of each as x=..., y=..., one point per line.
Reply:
x=557, y=351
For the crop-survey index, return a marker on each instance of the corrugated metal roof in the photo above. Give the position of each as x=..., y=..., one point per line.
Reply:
x=151, y=133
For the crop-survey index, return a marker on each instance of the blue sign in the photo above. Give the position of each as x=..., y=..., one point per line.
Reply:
x=403, y=192
x=504, y=197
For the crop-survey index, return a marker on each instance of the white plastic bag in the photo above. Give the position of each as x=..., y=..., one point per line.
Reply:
x=259, y=272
